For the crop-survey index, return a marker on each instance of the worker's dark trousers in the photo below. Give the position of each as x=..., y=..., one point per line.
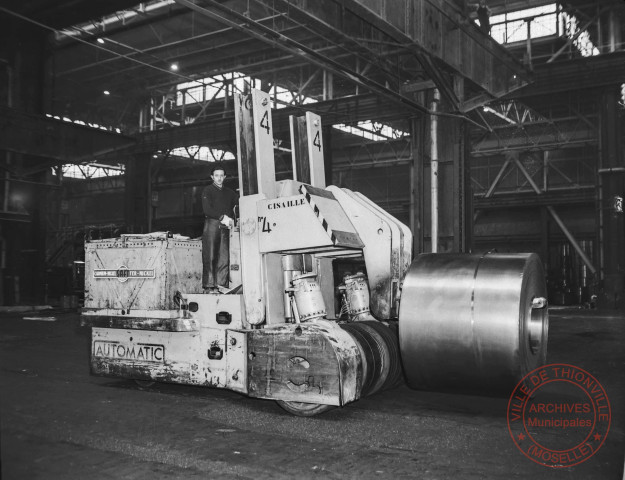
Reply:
x=215, y=254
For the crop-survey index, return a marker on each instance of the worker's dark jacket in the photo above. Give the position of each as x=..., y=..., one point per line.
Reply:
x=217, y=202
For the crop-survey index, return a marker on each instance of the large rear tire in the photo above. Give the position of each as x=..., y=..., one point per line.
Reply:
x=302, y=409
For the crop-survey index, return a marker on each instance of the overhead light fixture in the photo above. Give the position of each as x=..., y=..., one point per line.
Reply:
x=173, y=67
x=106, y=92
x=100, y=40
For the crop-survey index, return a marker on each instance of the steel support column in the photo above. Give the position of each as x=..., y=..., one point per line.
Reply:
x=612, y=184
x=327, y=153
x=452, y=202
x=434, y=173
x=417, y=143
x=25, y=209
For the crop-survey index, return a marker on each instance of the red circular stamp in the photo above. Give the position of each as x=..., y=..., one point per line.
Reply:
x=559, y=415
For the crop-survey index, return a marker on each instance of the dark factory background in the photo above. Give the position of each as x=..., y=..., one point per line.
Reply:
x=113, y=113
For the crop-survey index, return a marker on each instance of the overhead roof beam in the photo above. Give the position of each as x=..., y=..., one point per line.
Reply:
x=314, y=23
x=439, y=29
x=152, y=51
x=220, y=131
x=59, y=140
x=326, y=16
x=282, y=42
x=576, y=74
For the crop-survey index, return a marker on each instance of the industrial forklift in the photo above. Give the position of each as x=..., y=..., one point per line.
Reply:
x=446, y=322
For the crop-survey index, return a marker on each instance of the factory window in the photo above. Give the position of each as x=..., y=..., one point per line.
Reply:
x=86, y=124
x=372, y=130
x=210, y=88
x=221, y=85
x=539, y=22
x=205, y=154
x=284, y=97
x=571, y=27
x=513, y=26
x=90, y=171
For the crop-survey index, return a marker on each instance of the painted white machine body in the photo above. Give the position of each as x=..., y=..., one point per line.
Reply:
x=159, y=327
x=150, y=322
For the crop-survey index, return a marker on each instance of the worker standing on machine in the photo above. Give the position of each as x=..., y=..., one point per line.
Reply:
x=218, y=204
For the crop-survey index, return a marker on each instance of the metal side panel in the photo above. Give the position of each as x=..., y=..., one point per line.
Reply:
x=332, y=216
x=273, y=281
x=220, y=350
x=236, y=360
x=174, y=324
x=254, y=133
x=325, y=277
x=309, y=362
x=251, y=261
x=139, y=275
x=376, y=231
x=287, y=188
x=314, y=139
x=263, y=143
x=216, y=311
x=235, y=257
x=396, y=232
x=400, y=269
x=88, y=313
x=148, y=355
x=288, y=223
x=405, y=235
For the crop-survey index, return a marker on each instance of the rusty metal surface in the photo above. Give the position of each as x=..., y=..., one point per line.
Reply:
x=350, y=361
x=387, y=250
x=251, y=261
x=140, y=275
x=144, y=355
x=140, y=323
x=438, y=28
x=212, y=354
x=308, y=362
x=203, y=309
x=378, y=252
x=466, y=322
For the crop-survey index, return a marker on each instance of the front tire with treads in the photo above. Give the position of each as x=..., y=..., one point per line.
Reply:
x=302, y=409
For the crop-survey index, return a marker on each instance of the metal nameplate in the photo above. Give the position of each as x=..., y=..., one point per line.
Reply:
x=123, y=273
x=141, y=352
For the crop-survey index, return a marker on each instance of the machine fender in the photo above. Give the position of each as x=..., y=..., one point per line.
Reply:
x=310, y=362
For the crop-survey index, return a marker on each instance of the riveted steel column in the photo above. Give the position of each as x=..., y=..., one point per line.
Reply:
x=612, y=187
x=434, y=173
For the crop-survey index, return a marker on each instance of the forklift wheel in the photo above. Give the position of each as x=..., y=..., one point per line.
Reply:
x=145, y=383
x=302, y=409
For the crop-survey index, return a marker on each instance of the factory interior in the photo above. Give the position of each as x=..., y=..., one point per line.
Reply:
x=487, y=135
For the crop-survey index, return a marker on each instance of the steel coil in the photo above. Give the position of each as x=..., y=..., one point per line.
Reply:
x=472, y=323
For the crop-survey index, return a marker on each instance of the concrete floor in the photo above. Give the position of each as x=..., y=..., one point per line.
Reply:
x=58, y=422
